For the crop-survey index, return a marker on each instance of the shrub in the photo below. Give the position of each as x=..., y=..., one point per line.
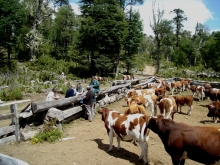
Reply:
x=49, y=133
x=11, y=94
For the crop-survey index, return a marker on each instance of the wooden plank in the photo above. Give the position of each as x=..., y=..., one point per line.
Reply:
x=6, y=130
x=9, y=139
x=6, y=116
x=15, y=121
x=72, y=111
x=45, y=105
x=14, y=102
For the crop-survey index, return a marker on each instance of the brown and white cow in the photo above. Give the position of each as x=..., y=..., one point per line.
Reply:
x=212, y=93
x=127, y=128
x=127, y=77
x=193, y=89
x=184, y=100
x=100, y=79
x=182, y=141
x=176, y=86
x=200, y=92
x=185, y=84
x=167, y=107
x=146, y=101
x=214, y=111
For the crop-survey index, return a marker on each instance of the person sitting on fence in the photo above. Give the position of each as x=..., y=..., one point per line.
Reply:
x=79, y=89
x=71, y=91
x=52, y=95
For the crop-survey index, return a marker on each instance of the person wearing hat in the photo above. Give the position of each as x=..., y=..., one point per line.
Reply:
x=52, y=95
x=88, y=100
x=71, y=91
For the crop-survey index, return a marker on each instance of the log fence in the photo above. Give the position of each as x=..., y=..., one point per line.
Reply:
x=12, y=128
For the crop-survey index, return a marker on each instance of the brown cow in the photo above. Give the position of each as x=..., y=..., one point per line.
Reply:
x=127, y=128
x=182, y=141
x=184, y=100
x=193, y=89
x=214, y=110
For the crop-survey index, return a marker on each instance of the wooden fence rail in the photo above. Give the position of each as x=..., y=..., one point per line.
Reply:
x=13, y=128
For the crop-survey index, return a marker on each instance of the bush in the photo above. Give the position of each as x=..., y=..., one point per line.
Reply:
x=11, y=94
x=49, y=133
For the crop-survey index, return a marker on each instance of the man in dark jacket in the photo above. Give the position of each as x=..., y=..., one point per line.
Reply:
x=88, y=100
x=70, y=92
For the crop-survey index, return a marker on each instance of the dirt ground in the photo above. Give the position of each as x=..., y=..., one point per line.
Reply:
x=89, y=143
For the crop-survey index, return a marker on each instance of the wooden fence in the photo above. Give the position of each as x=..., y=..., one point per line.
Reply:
x=13, y=128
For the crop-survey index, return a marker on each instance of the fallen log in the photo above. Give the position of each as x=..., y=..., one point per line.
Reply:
x=113, y=89
x=144, y=84
x=45, y=105
x=120, y=82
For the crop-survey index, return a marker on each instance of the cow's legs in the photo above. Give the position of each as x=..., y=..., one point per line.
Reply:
x=189, y=111
x=110, y=139
x=118, y=140
x=144, y=152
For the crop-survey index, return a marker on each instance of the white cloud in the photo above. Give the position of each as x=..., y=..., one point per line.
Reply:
x=75, y=8
x=195, y=11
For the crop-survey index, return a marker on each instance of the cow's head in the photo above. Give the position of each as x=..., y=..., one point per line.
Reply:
x=212, y=109
x=154, y=122
x=104, y=112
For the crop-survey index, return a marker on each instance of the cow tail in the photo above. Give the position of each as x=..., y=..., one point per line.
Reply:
x=144, y=133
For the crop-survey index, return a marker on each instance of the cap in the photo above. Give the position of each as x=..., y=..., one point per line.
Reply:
x=73, y=85
x=88, y=87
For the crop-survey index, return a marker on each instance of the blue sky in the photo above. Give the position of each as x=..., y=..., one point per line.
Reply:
x=206, y=12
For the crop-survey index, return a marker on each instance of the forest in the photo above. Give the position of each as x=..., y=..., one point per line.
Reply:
x=105, y=39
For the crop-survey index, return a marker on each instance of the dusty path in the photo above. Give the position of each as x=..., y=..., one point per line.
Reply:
x=89, y=143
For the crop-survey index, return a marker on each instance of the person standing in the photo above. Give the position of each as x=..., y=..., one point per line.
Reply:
x=95, y=85
x=52, y=95
x=70, y=92
x=88, y=100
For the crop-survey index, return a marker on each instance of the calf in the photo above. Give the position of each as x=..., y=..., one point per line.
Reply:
x=127, y=128
x=193, y=89
x=200, y=92
x=185, y=84
x=182, y=141
x=176, y=86
x=214, y=110
x=135, y=108
x=184, y=100
x=167, y=107
x=146, y=101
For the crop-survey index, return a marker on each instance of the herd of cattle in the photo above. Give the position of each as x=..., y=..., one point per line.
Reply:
x=181, y=141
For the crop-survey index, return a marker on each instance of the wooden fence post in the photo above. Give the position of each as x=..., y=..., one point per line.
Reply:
x=15, y=121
